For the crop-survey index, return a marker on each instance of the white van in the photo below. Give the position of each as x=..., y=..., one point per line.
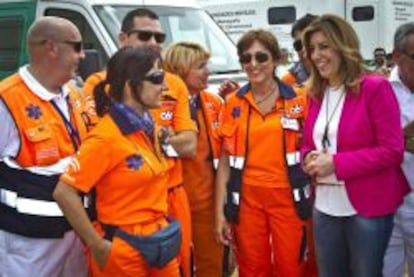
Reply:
x=99, y=22
x=374, y=20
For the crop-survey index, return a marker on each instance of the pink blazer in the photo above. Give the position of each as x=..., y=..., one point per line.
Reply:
x=370, y=147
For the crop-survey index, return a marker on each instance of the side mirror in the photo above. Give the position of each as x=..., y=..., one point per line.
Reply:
x=90, y=64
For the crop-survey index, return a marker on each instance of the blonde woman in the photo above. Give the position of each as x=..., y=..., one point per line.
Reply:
x=189, y=61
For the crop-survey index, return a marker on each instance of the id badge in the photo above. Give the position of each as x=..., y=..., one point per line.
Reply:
x=290, y=123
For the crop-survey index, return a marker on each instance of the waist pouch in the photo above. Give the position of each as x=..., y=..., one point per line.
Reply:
x=159, y=248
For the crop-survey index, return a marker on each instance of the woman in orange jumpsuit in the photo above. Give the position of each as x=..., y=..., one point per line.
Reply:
x=122, y=160
x=189, y=61
x=261, y=191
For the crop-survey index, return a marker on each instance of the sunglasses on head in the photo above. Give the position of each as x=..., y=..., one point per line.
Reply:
x=156, y=78
x=260, y=57
x=77, y=45
x=147, y=35
x=297, y=45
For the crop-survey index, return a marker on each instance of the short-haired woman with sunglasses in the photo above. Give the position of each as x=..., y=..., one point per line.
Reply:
x=353, y=146
x=262, y=195
x=122, y=160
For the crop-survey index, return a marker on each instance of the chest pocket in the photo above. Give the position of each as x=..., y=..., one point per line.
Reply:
x=43, y=143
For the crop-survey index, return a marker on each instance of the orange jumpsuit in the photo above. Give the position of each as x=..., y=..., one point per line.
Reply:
x=269, y=237
x=198, y=175
x=131, y=187
x=173, y=113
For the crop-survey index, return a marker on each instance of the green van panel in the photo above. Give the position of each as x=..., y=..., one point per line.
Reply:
x=15, y=19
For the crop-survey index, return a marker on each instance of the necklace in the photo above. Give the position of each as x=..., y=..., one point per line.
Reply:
x=325, y=139
x=266, y=96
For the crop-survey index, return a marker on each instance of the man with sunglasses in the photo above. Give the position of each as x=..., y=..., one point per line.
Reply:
x=141, y=28
x=41, y=129
x=401, y=246
x=299, y=72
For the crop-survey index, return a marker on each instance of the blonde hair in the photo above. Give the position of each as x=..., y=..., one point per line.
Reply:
x=181, y=56
x=343, y=39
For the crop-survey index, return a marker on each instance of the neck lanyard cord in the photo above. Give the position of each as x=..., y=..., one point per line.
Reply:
x=328, y=117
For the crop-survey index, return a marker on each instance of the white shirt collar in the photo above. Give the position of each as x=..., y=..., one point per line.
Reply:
x=37, y=88
x=394, y=77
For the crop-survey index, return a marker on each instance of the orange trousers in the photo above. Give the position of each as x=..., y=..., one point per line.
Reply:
x=208, y=253
x=179, y=208
x=125, y=261
x=270, y=239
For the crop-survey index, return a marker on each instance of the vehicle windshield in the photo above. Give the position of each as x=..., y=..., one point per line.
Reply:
x=182, y=24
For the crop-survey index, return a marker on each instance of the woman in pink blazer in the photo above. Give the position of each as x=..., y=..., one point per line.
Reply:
x=353, y=147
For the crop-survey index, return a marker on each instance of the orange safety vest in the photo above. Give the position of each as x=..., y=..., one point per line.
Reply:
x=47, y=141
x=294, y=111
x=210, y=107
x=44, y=137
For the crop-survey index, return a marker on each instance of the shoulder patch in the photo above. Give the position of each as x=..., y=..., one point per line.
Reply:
x=134, y=162
x=33, y=111
x=236, y=112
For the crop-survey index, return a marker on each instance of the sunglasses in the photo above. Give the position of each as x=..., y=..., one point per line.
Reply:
x=156, y=78
x=260, y=57
x=77, y=45
x=411, y=56
x=147, y=35
x=297, y=45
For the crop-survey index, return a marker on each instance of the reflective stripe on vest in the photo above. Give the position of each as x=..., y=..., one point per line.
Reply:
x=57, y=168
x=29, y=206
x=296, y=192
x=215, y=163
x=237, y=162
x=293, y=158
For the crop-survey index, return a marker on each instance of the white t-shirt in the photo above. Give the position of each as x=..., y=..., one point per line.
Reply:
x=331, y=199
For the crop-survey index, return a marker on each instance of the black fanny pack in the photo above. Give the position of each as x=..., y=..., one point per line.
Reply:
x=159, y=248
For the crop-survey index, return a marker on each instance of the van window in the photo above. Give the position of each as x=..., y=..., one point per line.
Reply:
x=11, y=42
x=363, y=13
x=281, y=15
x=90, y=41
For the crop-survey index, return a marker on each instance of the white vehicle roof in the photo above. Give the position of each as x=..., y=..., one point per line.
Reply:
x=171, y=3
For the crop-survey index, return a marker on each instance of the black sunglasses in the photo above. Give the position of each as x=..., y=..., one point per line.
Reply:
x=260, y=57
x=411, y=56
x=297, y=45
x=157, y=78
x=147, y=35
x=77, y=45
